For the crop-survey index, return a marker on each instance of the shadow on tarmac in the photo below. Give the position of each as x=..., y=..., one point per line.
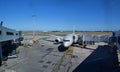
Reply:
x=88, y=48
x=103, y=59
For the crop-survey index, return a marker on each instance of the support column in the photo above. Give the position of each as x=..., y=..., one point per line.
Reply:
x=0, y=54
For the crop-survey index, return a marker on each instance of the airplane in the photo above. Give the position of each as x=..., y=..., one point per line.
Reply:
x=68, y=40
x=71, y=39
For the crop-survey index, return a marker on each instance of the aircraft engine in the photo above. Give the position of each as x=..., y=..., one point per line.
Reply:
x=58, y=40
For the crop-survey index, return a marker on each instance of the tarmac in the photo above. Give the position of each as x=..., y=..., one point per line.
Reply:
x=45, y=57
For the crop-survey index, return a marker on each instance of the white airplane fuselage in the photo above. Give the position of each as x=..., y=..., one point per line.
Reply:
x=69, y=40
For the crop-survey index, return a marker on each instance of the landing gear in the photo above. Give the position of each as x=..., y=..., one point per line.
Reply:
x=84, y=46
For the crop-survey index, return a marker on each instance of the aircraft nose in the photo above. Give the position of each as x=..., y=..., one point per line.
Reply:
x=65, y=44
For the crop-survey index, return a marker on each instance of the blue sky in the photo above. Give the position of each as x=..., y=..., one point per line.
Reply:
x=61, y=15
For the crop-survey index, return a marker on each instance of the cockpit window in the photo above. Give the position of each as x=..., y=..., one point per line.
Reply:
x=66, y=40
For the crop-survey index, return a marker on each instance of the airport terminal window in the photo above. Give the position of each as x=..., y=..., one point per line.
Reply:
x=9, y=33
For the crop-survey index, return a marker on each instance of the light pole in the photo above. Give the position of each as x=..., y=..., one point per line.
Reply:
x=33, y=17
x=1, y=45
x=0, y=54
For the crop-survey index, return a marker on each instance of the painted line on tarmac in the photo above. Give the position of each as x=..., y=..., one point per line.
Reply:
x=22, y=60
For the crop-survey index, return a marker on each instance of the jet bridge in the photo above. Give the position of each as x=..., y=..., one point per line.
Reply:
x=116, y=39
x=91, y=39
x=8, y=35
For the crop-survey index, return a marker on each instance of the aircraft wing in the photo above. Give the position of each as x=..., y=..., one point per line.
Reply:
x=55, y=39
x=56, y=36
